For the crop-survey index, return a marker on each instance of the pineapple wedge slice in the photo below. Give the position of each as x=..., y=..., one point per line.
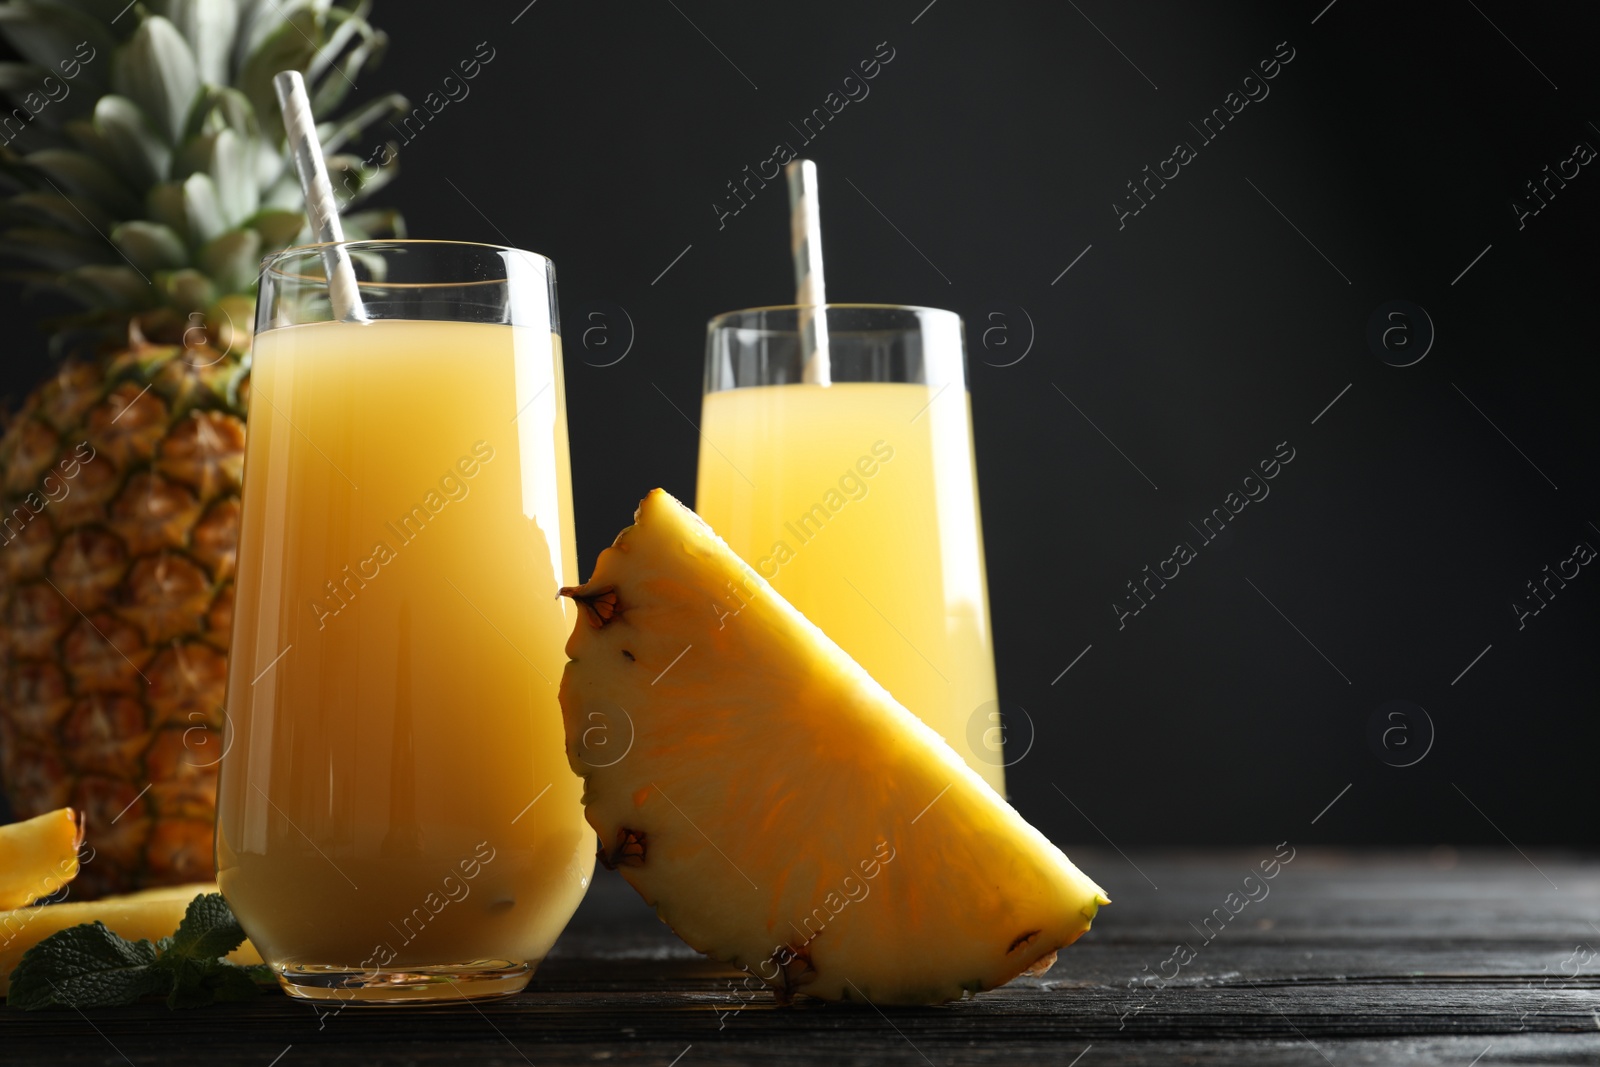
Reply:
x=150, y=915
x=775, y=805
x=38, y=856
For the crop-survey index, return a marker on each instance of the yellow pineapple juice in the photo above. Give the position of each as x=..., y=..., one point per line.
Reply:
x=396, y=793
x=859, y=503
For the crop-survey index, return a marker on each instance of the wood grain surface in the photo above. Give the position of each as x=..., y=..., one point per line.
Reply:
x=1350, y=958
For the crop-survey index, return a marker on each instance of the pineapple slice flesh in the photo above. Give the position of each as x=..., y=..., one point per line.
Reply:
x=149, y=915
x=776, y=805
x=38, y=856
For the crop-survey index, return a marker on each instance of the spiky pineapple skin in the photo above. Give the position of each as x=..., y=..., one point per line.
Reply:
x=116, y=603
x=149, y=195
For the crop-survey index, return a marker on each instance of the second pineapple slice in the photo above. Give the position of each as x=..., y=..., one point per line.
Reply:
x=38, y=856
x=778, y=808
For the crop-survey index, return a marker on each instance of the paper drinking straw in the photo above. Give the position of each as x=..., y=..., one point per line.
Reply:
x=805, y=243
x=321, y=207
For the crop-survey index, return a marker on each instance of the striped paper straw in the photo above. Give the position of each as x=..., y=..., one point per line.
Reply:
x=321, y=208
x=805, y=243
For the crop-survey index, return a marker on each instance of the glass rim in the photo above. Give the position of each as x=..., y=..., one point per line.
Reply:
x=717, y=319
x=373, y=243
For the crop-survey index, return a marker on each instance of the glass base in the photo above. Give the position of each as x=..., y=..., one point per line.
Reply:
x=439, y=984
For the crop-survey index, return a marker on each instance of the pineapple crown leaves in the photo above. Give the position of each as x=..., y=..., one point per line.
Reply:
x=142, y=159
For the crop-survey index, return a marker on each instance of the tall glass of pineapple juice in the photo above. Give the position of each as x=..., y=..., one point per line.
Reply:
x=396, y=819
x=858, y=499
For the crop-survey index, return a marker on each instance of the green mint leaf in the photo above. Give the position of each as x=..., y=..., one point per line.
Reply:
x=85, y=966
x=259, y=973
x=202, y=982
x=191, y=956
x=208, y=930
x=230, y=982
x=89, y=966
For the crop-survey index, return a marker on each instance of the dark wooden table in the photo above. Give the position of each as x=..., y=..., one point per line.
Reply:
x=1351, y=958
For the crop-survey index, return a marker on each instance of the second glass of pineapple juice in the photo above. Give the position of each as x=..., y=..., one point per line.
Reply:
x=397, y=820
x=858, y=499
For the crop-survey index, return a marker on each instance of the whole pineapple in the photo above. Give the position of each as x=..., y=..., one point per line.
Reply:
x=144, y=175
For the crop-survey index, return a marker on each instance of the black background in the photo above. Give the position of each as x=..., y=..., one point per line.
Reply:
x=1196, y=338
